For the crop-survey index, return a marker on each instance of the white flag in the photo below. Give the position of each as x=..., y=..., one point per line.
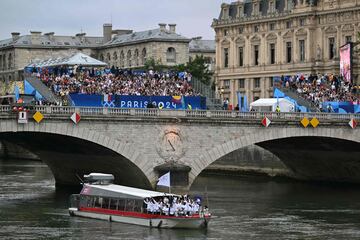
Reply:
x=164, y=180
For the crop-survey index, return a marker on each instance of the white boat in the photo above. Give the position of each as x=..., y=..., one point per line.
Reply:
x=100, y=199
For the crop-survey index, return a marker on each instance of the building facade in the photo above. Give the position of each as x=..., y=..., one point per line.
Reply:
x=258, y=41
x=118, y=48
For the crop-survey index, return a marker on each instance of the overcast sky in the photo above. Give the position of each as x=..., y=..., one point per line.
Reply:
x=68, y=17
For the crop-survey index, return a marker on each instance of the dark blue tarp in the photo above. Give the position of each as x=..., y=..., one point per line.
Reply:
x=123, y=101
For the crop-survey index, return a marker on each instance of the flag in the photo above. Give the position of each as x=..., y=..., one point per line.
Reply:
x=239, y=101
x=164, y=180
x=17, y=93
x=183, y=102
x=245, y=104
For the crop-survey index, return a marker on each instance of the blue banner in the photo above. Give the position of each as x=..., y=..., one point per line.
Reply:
x=124, y=101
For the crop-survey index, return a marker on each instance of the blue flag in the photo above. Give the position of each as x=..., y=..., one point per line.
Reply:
x=239, y=101
x=245, y=104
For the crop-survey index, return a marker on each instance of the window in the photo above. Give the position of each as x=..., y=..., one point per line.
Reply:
x=226, y=57
x=256, y=55
x=226, y=32
x=10, y=60
x=272, y=53
x=288, y=24
x=171, y=55
x=272, y=26
x=241, y=56
x=271, y=81
x=302, y=21
x=288, y=52
x=256, y=28
x=256, y=82
x=226, y=84
x=241, y=30
x=143, y=56
x=331, y=47
x=241, y=83
x=348, y=39
x=122, y=59
x=302, y=50
x=128, y=58
x=136, y=57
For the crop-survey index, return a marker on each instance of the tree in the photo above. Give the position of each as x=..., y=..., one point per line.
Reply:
x=199, y=69
x=152, y=64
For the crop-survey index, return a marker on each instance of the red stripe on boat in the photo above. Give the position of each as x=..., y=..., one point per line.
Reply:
x=135, y=214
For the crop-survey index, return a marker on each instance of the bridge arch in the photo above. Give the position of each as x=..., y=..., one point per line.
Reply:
x=92, y=137
x=208, y=157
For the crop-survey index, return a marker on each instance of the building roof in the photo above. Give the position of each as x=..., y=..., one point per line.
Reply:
x=144, y=36
x=199, y=45
x=53, y=41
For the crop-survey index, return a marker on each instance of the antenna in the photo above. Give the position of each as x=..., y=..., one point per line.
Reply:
x=111, y=18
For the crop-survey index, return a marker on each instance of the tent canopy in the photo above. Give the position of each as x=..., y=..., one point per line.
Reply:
x=270, y=104
x=76, y=59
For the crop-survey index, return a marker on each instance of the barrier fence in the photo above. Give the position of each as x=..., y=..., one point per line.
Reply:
x=218, y=114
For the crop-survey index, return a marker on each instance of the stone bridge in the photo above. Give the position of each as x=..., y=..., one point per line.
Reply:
x=138, y=145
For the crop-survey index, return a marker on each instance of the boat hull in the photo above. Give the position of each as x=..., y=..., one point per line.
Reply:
x=157, y=222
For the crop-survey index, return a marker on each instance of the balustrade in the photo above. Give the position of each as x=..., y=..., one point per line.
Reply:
x=221, y=114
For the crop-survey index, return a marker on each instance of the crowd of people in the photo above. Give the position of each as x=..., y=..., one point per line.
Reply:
x=322, y=88
x=94, y=81
x=173, y=206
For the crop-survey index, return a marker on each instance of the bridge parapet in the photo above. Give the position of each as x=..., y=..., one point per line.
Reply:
x=54, y=111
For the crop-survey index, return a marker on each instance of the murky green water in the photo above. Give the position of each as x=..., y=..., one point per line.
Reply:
x=245, y=208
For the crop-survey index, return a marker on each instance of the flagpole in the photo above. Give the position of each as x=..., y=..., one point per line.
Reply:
x=169, y=182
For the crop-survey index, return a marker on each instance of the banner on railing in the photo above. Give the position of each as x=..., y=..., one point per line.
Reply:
x=122, y=101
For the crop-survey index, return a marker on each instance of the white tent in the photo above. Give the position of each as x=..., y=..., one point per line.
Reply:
x=270, y=104
x=79, y=59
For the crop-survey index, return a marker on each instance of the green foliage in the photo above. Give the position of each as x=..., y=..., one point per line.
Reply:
x=152, y=64
x=199, y=70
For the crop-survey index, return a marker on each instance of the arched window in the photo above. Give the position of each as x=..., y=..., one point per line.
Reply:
x=10, y=61
x=108, y=57
x=171, y=55
x=122, y=56
x=136, y=57
x=143, y=56
x=128, y=58
x=101, y=57
x=115, y=56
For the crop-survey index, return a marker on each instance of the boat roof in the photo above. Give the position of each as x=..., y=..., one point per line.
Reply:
x=118, y=191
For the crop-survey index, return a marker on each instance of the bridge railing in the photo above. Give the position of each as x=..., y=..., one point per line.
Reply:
x=218, y=114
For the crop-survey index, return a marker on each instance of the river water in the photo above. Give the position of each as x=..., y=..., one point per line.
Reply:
x=243, y=208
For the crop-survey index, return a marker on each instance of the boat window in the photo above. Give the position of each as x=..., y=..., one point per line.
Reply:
x=121, y=205
x=98, y=202
x=113, y=204
x=138, y=206
x=130, y=205
x=106, y=203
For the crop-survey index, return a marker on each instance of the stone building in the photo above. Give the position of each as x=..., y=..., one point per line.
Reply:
x=257, y=40
x=127, y=49
x=119, y=48
x=205, y=48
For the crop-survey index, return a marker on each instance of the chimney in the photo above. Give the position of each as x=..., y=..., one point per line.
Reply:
x=172, y=28
x=122, y=31
x=15, y=36
x=197, y=38
x=107, y=32
x=35, y=37
x=81, y=36
x=50, y=35
x=162, y=27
